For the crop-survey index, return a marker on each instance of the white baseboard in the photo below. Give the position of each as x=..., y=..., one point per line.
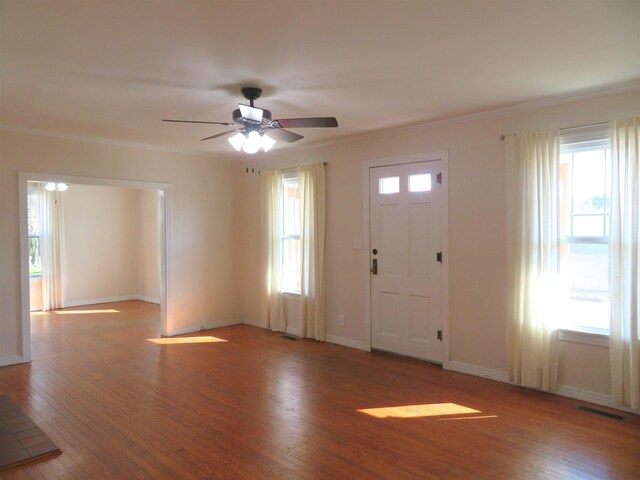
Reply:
x=253, y=323
x=144, y=298
x=562, y=390
x=469, y=369
x=346, y=342
x=95, y=301
x=10, y=360
x=206, y=326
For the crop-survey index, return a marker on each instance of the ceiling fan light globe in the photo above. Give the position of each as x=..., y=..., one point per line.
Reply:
x=62, y=187
x=50, y=187
x=267, y=142
x=237, y=141
x=253, y=143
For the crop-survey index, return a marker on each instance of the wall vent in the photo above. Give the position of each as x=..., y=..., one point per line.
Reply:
x=595, y=411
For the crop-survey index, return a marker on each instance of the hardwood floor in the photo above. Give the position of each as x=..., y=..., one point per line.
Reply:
x=259, y=406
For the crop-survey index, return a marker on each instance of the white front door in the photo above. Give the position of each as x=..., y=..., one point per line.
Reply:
x=405, y=219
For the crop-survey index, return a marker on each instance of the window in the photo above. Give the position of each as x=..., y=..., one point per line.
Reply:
x=389, y=185
x=290, y=251
x=33, y=225
x=585, y=192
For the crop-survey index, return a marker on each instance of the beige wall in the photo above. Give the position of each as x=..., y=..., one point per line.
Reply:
x=477, y=228
x=148, y=236
x=111, y=244
x=204, y=223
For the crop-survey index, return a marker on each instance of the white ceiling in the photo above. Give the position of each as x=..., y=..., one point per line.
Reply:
x=112, y=69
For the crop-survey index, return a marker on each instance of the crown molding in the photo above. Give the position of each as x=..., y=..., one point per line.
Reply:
x=106, y=141
x=514, y=108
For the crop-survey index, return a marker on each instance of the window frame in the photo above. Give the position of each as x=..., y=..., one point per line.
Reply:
x=583, y=139
x=288, y=177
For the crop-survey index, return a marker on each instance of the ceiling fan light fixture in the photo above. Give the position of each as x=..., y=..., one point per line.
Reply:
x=50, y=187
x=237, y=141
x=253, y=143
x=267, y=142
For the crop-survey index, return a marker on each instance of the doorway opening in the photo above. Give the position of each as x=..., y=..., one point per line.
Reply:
x=94, y=244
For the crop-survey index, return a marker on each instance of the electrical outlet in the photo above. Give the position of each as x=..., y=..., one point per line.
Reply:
x=341, y=320
x=183, y=307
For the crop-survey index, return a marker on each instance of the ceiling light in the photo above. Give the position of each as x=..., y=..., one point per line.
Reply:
x=267, y=142
x=252, y=144
x=52, y=187
x=237, y=141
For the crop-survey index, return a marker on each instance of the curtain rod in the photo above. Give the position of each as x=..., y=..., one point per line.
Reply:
x=502, y=137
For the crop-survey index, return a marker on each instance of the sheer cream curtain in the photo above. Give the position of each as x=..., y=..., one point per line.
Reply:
x=533, y=251
x=625, y=263
x=52, y=247
x=311, y=187
x=271, y=203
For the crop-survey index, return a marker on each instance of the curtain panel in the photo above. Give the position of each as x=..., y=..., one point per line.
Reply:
x=625, y=263
x=533, y=257
x=271, y=205
x=52, y=248
x=311, y=185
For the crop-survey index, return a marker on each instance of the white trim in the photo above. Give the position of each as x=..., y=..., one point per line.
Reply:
x=12, y=360
x=477, y=371
x=166, y=315
x=443, y=157
x=120, y=298
x=253, y=323
x=584, y=395
x=347, y=342
x=144, y=298
x=206, y=326
x=588, y=338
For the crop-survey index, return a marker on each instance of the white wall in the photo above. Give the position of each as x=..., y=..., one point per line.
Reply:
x=204, y=224
x=111, y=244
x=477, y=230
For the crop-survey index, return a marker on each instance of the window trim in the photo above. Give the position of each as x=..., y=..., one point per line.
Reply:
x=288, y=176
x=576, y=140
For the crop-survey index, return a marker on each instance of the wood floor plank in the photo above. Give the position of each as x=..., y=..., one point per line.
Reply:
x=257, y=406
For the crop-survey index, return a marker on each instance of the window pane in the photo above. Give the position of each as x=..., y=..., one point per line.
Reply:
x=389, y=185
x=420, y=183
x=585, y=270
x=291, y=208
x=291, y=265
x=33, y=212
x=588, y=226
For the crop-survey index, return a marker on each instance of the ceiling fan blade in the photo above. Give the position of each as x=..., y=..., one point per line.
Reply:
x=219, y=135
x=226, y=124
x=307, y=122
x=251, y=113
x=284, y=135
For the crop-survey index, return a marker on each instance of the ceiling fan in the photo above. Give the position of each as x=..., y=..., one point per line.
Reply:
x=254, y=128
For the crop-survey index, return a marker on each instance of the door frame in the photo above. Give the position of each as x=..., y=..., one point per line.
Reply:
x=443, y=157
x=164, y=212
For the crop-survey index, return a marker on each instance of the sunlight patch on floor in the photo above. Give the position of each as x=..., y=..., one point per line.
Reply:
x=83, y=312
x=184, y=340
x=417, y=411
x=470, y=418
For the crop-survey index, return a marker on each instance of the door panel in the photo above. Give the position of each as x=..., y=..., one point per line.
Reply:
x=405, y=230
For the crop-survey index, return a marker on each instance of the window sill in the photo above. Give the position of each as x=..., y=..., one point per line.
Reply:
x=584, y=336
x=290, y=295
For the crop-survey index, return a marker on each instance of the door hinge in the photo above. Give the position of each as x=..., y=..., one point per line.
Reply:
x=440, y=335
x=439, y=178
x=439, y=257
